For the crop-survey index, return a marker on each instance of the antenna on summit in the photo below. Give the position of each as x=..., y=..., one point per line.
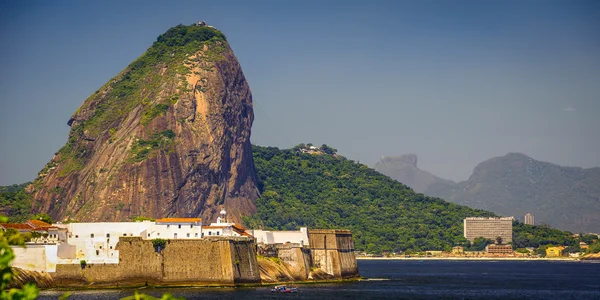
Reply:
x=201, y=23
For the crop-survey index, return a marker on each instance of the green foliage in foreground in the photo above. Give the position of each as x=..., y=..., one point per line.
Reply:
x=323, y=191
x=326, y=191
x=29, y=291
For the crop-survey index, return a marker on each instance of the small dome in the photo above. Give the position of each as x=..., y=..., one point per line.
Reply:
x=223, y=212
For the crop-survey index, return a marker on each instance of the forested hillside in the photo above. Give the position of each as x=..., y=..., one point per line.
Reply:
x=15, y=202
x=330, y=191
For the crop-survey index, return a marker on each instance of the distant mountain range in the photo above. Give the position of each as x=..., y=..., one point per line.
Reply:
x=513, y=185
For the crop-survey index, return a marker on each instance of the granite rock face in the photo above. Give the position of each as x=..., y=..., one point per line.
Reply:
x=169, y=136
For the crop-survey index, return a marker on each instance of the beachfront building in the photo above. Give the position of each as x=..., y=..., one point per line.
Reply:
x=554, y=251
x=529, y=219
x=499, y=249
x=489, y=228
x=458, y=250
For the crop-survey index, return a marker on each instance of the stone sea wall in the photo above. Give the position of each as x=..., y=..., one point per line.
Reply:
x=333, y=252
x=211, y=261
x=329, y=257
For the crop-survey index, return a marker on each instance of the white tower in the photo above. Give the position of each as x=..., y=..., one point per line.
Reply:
x=223, y=217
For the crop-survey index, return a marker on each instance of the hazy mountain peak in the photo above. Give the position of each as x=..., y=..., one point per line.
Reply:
x=408, y=159
x=404, y=168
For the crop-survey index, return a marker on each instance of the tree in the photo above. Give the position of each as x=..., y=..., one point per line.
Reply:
x=44, y=218
x=328, y=150
x=479, y=244
x=142, y=219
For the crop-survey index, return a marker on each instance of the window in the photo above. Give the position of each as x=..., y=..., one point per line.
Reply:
x=92, y=235
x=196, y=235
x=124, y=234
x=179, y=226
x=168, y=225
x=175, y=235
x=210, y=233
x=188, y=235
x=191, y=225
x=148, y=235
x=217, y=233
x=111, y=247
x=108, y=235
x=158, y=234
x=97, y=252
x=76, y=236
x=100, y=247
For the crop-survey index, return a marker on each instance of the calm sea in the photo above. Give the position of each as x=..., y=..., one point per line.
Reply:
x=412, y=279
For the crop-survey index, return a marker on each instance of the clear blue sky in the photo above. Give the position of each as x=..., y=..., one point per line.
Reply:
x=456, y=82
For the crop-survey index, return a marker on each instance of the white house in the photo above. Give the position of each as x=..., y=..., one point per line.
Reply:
x=281, y=237
x=175, y=228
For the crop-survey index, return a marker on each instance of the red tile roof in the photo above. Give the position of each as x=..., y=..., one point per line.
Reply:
x=17, y=226
x=178, y=220
x=38, y=224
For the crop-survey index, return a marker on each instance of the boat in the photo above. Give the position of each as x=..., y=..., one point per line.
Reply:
x=284, y=289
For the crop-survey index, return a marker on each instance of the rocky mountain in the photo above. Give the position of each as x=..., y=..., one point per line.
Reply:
x=167, y=136
x=515, y=184
x=404, y=169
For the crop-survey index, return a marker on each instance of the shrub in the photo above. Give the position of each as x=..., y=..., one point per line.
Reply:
x=159, y=244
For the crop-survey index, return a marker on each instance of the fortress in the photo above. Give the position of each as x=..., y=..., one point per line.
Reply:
x=181, y=251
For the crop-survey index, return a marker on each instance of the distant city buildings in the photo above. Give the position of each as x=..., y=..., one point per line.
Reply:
x=489, y=228
x=529, y=219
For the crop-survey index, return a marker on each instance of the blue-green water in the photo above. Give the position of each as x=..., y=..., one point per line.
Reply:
x=428, y=279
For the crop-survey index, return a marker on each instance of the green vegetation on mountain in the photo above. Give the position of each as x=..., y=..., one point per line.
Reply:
x=140, y=81
x=141, y=149
x=327, y=191
x=15, y=202
x=536, y=236
x=130, y=88
x=330, y=191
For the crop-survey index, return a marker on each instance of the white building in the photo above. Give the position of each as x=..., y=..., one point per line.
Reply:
x=489, y=228
x=529, y=219
x=281, y=237
x=175, y=228
x=223, y=228
x=96, y=242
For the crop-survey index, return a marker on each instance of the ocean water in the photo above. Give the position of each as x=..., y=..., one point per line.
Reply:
x=413, y=279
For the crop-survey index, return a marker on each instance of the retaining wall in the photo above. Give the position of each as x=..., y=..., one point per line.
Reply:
x=208, y=261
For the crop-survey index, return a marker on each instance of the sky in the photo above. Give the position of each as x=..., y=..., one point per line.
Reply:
x=455, y=82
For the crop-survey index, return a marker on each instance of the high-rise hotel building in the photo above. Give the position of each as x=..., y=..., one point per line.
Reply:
x=489, y=228
x=529, y=220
